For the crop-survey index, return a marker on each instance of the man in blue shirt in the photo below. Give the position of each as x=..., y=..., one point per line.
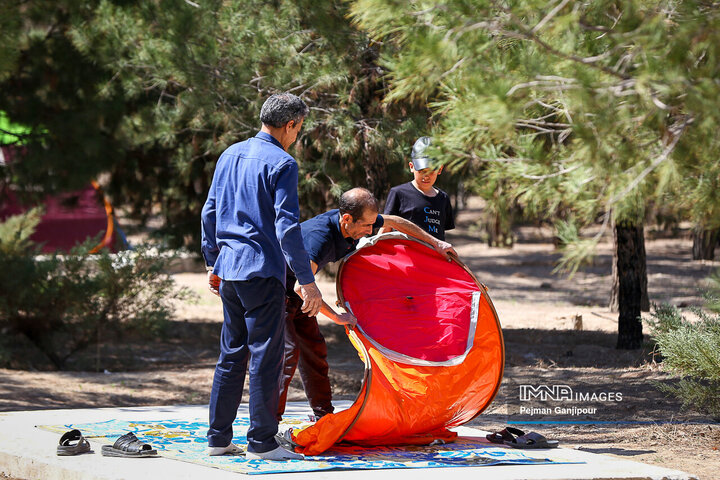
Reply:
x=250, y=230
x=328, y=237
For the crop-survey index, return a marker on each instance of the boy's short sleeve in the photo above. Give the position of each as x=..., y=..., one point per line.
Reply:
x=392, y=204
x=379, y=222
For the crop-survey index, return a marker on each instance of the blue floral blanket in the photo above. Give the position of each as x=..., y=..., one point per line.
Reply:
x=185, y=440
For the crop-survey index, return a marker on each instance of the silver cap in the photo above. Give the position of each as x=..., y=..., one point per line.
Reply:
x=419, y=158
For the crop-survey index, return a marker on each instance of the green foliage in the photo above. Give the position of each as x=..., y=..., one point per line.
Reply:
x=568, y=111
x=62, y=304
x=583, y=110
x=53, y=88
x=690, y=349
x=153, y=92
x=15, y=233
x=11, y=133
x=712, y=296
x=573, y=258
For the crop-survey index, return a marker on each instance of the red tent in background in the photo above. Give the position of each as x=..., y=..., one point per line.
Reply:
x=69, y=218
x=430, y=340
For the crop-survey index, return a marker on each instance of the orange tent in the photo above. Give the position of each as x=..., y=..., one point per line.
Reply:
x=430, y=340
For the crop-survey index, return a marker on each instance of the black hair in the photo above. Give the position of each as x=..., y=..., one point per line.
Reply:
x=356, y=201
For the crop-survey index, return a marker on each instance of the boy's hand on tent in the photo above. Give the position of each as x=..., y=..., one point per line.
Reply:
x=214, y=283
x=345, y=319
x=445, y=249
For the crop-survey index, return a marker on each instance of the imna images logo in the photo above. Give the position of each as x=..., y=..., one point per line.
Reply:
x=545, y=392
x=564, y=393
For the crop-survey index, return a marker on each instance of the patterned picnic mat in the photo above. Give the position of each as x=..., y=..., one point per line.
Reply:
x=186, y=441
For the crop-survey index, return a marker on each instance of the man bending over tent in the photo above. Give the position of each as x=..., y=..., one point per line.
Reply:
x=328, y=237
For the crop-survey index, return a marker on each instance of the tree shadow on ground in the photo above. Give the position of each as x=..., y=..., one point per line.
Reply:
x=528, y=274
x=190, y=342
x=52, y=390
x=622, y=452
x=570, y=348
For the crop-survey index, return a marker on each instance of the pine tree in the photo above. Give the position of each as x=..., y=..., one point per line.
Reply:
x=585, y=111
x=211, y=66
x=54, y=90
x=153, y=92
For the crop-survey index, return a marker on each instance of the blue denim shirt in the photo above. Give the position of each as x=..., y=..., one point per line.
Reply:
x=250, y=218
x=324, y=241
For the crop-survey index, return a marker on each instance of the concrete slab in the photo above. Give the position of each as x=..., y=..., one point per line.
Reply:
x=28, y=453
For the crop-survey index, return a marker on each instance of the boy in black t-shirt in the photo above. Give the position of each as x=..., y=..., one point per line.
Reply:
x=419, y=201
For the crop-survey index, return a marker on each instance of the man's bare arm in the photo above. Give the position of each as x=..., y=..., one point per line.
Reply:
x=407, y=227
x=342, y=318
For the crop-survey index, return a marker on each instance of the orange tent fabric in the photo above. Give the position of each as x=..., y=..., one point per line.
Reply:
x=430, y=340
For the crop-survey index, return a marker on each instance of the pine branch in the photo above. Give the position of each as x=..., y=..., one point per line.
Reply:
x=19, y=136
x=541, y=123
x=527, y=34
x=660, y=159
x=663, y=156
x=550, y=175
x=428, y=10
x=546, y=86
x=549, y=16
x=454, y=67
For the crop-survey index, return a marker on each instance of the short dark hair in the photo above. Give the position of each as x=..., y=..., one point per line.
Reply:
x=356, y=201
x=281, y=108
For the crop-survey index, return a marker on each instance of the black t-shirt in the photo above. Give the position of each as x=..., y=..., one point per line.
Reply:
x=324, y=241
x=432, y=214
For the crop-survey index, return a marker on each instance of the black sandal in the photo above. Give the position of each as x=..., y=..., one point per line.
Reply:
x=507, y=434
x=128, y=446
x=72, y=443
x=532, y=440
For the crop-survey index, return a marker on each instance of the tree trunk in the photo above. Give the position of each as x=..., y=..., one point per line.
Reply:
x=704, y=242
x=499, y=232
x=499, y=222
x=41, y=344
x=631, y=274
x=615, y=291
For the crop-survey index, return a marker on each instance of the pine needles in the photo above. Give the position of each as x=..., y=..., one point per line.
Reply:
x=691, y=350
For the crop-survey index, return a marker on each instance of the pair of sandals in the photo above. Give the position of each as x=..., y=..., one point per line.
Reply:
x=516, y=438
x=128, y=445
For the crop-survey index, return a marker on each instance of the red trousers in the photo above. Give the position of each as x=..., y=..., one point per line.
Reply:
x=306, y=351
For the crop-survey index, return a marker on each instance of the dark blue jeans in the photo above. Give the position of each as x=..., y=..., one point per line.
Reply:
x=254, y=320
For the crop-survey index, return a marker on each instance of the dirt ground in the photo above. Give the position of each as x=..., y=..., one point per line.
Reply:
x=540, y=314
